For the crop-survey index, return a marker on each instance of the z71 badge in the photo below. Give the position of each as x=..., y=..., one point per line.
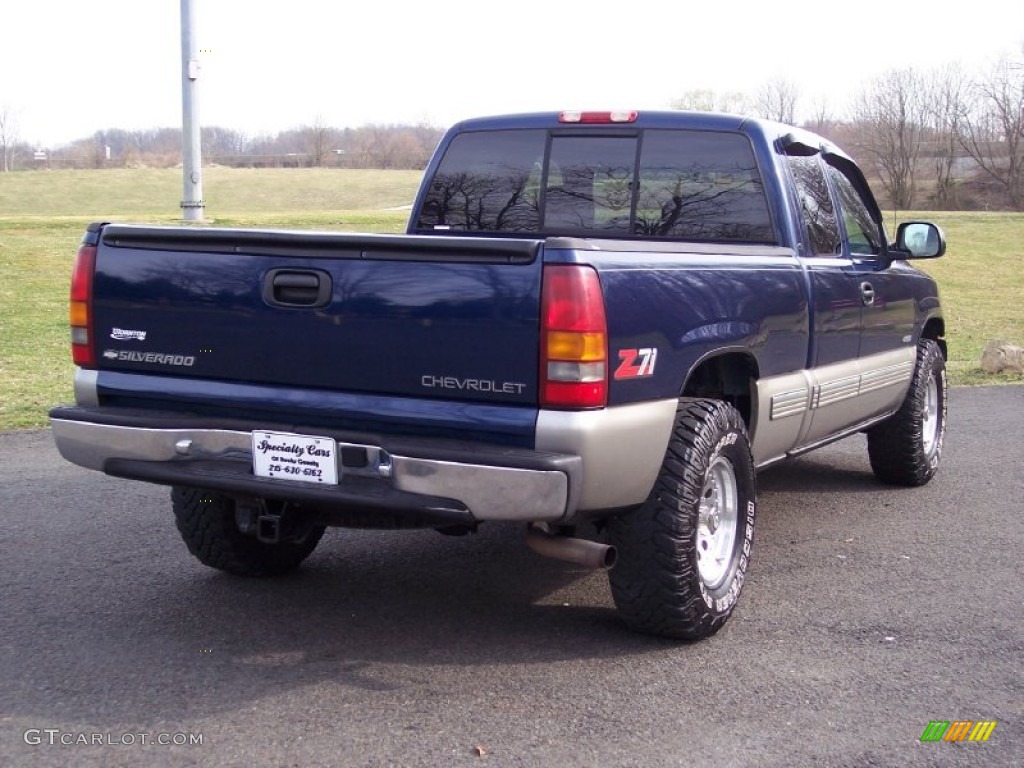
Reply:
x=636, y=363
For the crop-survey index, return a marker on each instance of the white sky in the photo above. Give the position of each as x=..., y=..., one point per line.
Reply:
x=71, y=67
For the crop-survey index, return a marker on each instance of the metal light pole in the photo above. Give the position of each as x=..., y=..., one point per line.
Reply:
x=192, y=203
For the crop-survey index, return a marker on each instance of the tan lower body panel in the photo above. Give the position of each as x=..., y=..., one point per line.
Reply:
x=806, y=407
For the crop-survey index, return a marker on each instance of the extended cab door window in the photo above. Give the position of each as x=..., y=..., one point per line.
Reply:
x=819, y=215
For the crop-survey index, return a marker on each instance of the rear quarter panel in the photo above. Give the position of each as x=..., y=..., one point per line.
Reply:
x=692, y=302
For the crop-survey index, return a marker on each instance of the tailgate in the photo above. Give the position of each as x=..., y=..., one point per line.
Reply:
x=453, y=318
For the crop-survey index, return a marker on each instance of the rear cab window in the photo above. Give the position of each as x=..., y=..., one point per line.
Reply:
x=676, y=184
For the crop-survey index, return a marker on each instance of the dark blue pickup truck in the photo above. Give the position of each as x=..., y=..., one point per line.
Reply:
x=602, y=318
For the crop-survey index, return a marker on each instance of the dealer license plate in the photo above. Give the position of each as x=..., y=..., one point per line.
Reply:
x=285, y=456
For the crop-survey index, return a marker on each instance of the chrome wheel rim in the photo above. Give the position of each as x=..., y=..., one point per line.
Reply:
x=930, y=418
x=716, y=523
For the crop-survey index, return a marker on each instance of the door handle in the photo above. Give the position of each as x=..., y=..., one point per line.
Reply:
x=867, y=293
x=307, y=288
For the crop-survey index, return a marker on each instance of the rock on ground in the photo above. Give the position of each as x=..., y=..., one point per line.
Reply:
x=1001, y=356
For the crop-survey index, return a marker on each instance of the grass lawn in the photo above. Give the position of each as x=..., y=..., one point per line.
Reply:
x=981, y=283
x=43, y=215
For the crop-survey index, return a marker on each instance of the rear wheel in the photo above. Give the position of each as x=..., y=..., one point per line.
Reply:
x=208, y=524
x=905, y=448
x=683, y=555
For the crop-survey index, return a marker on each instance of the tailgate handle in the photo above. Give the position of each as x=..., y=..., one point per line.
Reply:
x=309, y=288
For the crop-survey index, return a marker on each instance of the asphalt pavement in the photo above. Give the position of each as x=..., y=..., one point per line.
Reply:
x=868, y=612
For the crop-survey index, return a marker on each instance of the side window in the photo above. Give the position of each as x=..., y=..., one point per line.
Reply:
x=862, y=230
x=823, y=237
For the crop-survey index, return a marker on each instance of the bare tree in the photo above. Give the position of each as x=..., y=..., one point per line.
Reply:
x=319, y=140
x=993, y=128
x=100, y=149
x=945, y=100
x=8, y=135
x=365, y=144
x=404, y=150
x=222, y=142
x=891, y=114
x=821, y=117
x=776, y=100
x=706, y=100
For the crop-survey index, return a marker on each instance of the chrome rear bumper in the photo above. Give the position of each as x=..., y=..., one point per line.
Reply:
x=524, y=486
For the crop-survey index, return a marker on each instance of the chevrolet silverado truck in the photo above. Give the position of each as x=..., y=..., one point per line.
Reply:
x=610, y=319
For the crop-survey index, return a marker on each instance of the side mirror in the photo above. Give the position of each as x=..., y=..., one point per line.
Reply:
x=920, y=239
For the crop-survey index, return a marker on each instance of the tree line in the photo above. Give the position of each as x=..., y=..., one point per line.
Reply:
x=314, y=145
x=941, y=139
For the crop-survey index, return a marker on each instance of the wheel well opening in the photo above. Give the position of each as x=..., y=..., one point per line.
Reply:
x=728, y=377
x=935, y=329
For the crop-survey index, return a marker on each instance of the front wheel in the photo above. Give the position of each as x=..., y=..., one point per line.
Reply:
x=683, y=554
x=905, y=448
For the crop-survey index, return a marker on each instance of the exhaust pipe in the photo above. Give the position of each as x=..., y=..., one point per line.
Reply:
x=589, y=554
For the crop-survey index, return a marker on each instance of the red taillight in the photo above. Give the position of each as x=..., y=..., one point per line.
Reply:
x=574, y=339
x=598, y=117
x=80, y=309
